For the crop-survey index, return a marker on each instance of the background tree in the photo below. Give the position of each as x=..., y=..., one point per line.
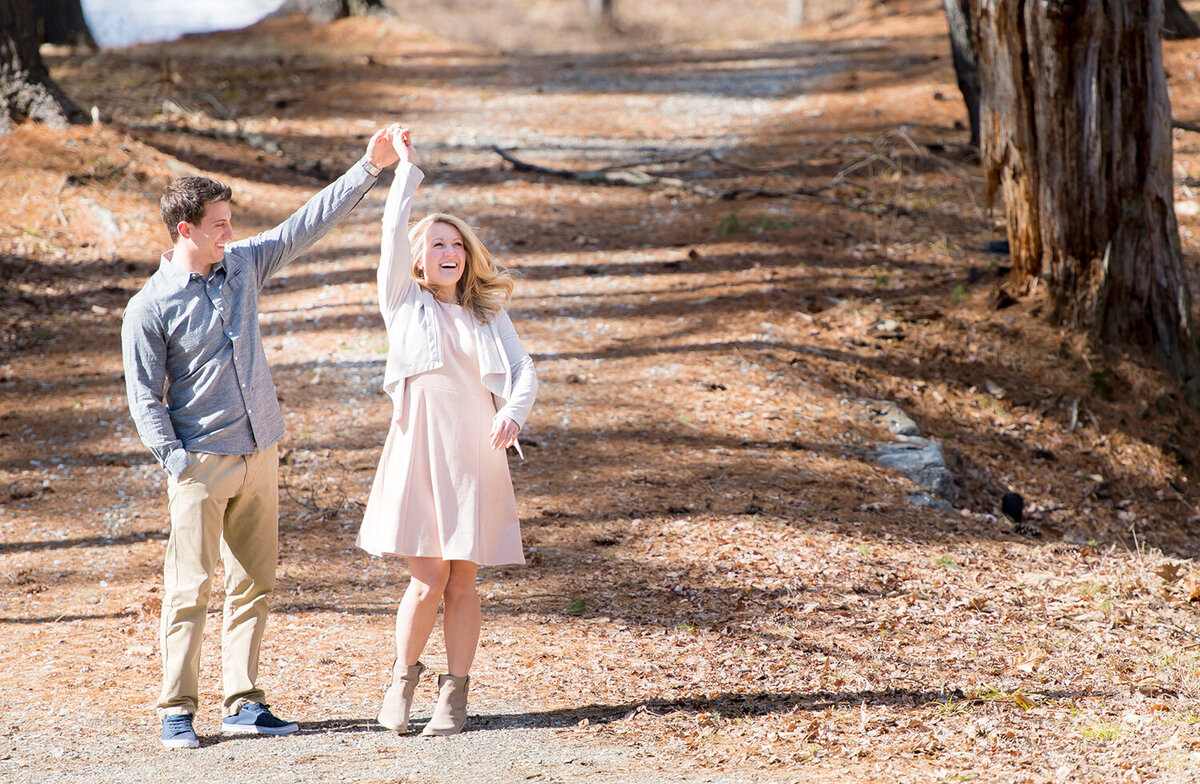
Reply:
x=62, y=22
x=323, y=11
x=804, y=11
x=26, y=89
x=795, y=10
x=602, y=10
x=1177, y=23
x=966, y=63
x=1076, y=135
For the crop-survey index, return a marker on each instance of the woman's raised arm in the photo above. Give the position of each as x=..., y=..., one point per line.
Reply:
x=395, y=254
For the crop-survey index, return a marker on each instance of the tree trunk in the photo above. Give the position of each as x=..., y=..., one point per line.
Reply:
x=1177, y=23
x=26, y=89
x=966, y=62
x=601, y=9
x=325, y=11
x=1076, y=136
x=62, y=22
x=796, y=12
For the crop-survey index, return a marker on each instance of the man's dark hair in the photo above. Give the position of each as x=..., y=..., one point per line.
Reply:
x=186, y=199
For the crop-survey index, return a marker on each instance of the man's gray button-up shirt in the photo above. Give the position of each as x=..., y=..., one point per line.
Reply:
x=195, y=369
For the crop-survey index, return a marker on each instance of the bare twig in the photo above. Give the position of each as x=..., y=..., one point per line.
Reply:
x=1182, y=499
x=79, y=179
x=184, y=112
x=507, y=599
x=773, y=169
x=58, y=200
x=1168, y=623
x=317, y=506
x=846, y=171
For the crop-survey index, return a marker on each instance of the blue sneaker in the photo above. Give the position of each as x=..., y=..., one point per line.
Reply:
x=178, y=732
x=255, y=719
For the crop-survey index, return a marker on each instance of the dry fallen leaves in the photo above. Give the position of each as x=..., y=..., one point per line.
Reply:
x=719, y=573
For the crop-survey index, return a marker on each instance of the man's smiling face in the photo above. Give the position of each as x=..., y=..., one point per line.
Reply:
x=209, y=236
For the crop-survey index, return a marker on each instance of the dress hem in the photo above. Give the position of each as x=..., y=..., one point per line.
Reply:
x=382, y=553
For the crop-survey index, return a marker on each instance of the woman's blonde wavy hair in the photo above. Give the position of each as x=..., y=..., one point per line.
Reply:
x=485, y=286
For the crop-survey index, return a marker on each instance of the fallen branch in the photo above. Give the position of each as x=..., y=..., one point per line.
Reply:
x=615, y=175
x=1185, y=126
x=255, y=140
x=623, y=175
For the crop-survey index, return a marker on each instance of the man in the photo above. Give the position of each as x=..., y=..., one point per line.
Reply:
x=202, y=398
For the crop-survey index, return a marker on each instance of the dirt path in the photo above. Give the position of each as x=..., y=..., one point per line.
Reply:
x=722, y=584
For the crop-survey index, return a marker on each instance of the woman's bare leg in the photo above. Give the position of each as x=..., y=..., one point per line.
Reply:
x=463, y=617
x=418, y=609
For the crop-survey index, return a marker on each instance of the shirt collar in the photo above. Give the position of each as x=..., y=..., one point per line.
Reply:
x=177, y=277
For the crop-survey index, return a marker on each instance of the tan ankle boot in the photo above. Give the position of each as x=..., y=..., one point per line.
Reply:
x=450, y=714
x=398, y=699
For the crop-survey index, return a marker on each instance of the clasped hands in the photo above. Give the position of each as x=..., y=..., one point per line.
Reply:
x=391, y=144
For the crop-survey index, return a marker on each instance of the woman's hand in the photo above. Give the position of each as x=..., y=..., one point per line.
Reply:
x=391, y=144
x=402, y=142
x=504, y=432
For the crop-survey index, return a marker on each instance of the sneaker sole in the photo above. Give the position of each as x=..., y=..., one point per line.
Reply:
x=183, y=743
x=252, y=729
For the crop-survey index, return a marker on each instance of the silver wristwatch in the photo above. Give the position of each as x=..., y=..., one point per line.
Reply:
x=371, y=168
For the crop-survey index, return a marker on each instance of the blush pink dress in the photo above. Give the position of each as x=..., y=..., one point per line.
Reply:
x=441, y=490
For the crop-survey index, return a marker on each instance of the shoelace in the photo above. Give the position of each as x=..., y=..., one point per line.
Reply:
x=179, y=722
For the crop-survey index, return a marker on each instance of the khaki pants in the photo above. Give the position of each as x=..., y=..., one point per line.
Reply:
x=226, y=505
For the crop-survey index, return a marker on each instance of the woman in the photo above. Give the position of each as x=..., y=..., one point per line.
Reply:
x=462, y=385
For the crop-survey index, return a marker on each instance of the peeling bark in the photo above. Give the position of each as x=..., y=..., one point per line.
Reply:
x=1076, y=135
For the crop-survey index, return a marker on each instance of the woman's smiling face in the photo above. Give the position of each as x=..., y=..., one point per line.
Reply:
x=444, y=260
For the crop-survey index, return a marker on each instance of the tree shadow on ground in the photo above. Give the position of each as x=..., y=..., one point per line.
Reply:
x=25, y=620
x=82, y=542
x=729, y=705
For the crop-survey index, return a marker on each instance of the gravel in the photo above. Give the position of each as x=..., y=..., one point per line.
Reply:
x=501, y=744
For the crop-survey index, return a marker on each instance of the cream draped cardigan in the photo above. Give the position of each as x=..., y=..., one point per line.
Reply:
x=414, y=343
